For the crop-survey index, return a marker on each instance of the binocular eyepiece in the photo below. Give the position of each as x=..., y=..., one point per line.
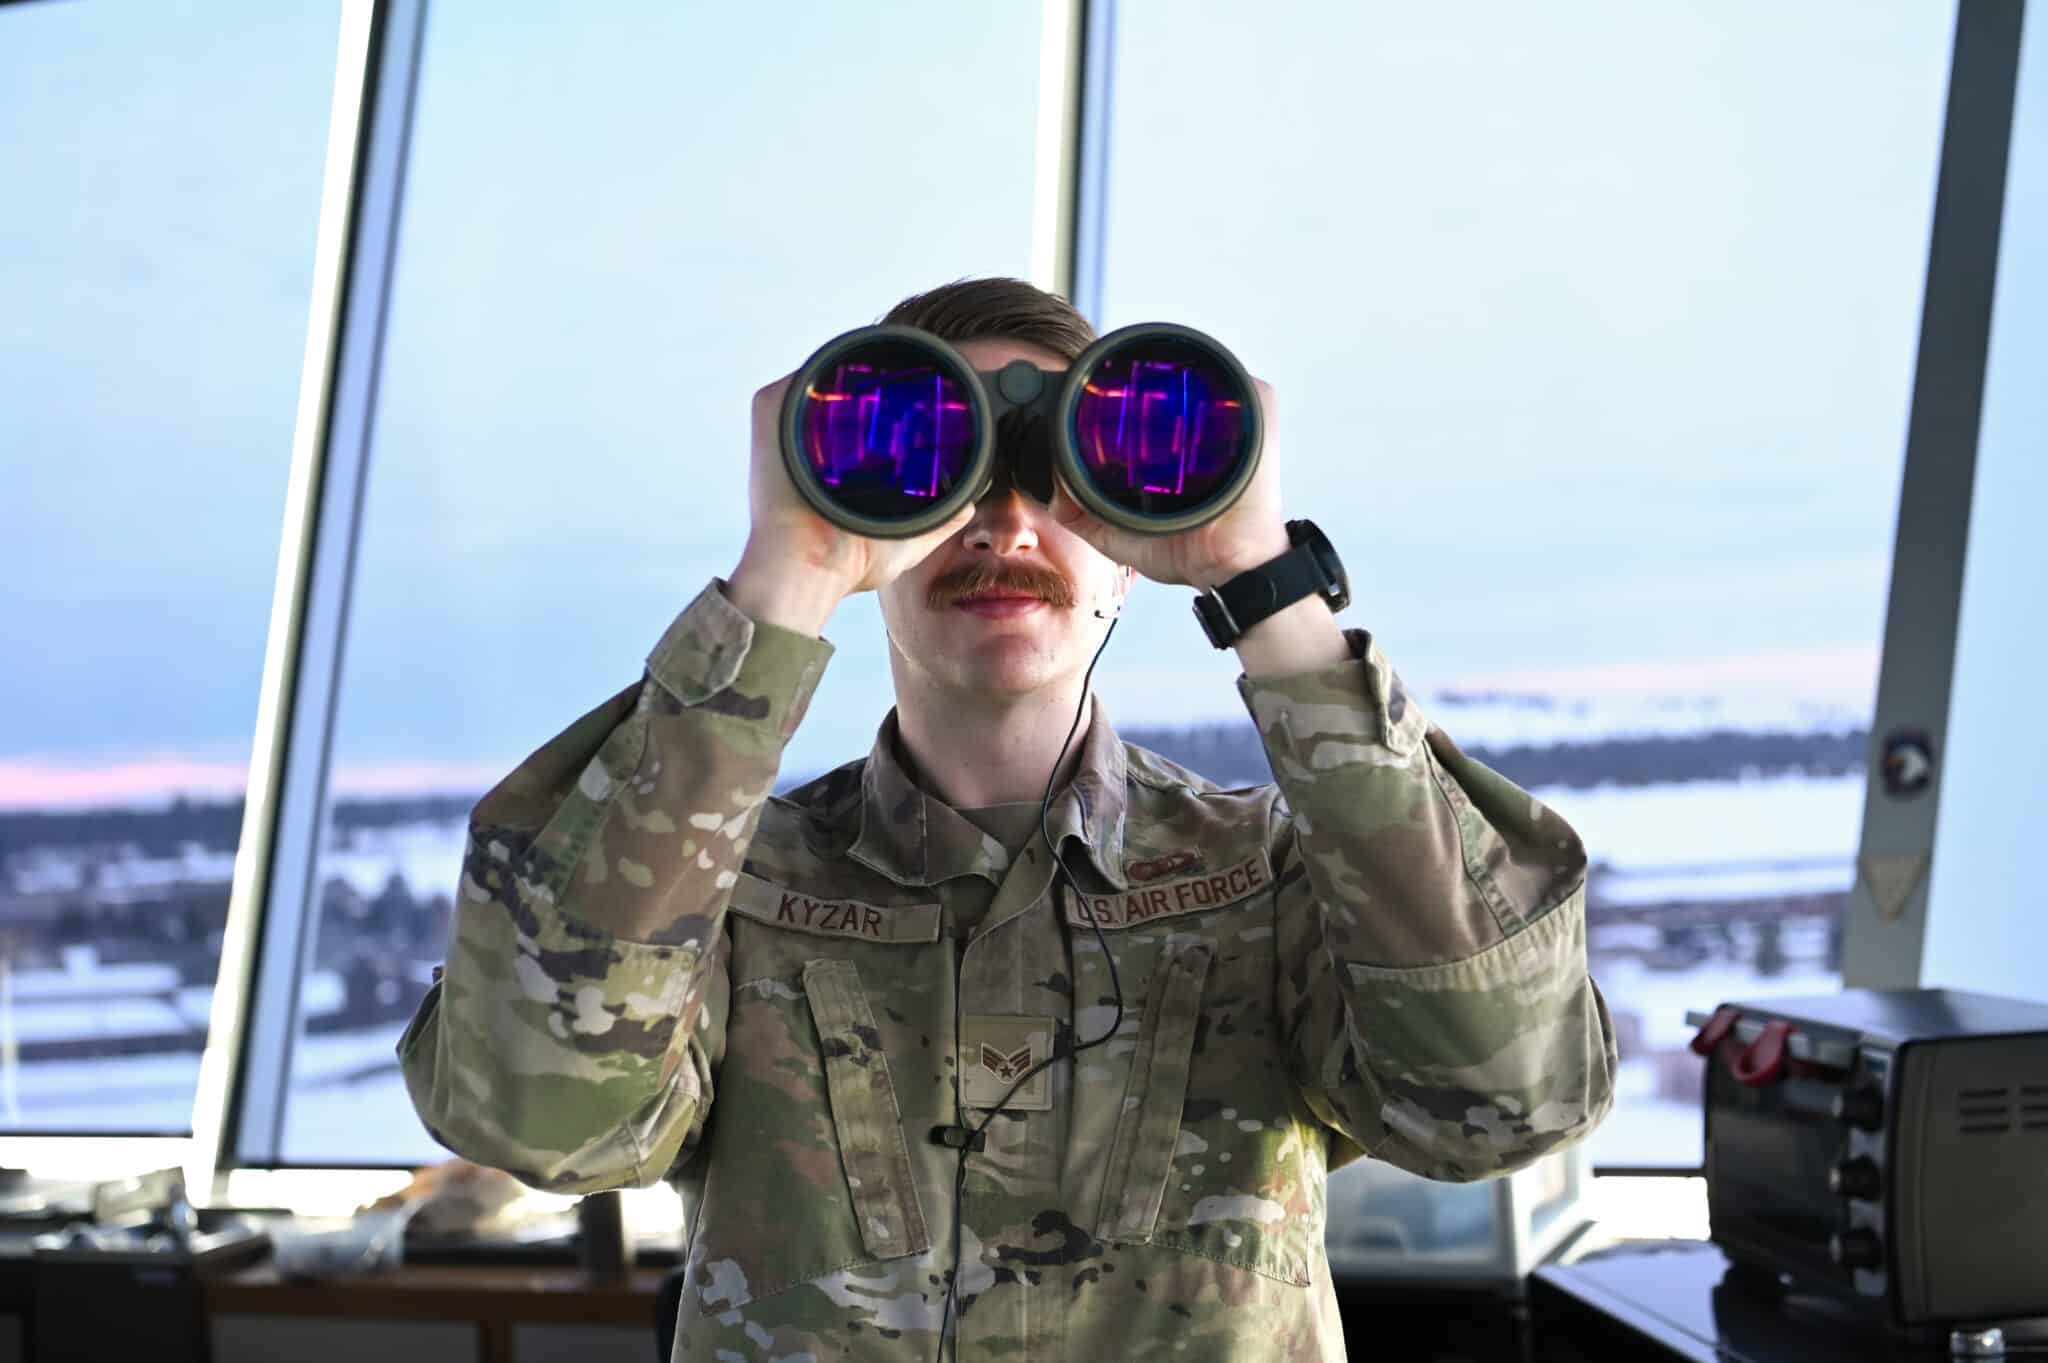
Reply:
x=887, y=431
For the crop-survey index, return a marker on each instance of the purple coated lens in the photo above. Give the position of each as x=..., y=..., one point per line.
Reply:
x=886, y=430
x=1161, y=426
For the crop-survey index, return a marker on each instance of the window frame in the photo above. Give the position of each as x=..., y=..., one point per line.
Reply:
x=238, y=1116
x=1883, y=947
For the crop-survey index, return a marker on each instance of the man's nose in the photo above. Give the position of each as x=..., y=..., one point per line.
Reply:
x=1002, y=521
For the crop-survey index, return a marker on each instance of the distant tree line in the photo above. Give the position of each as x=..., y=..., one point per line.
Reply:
x=215, y=825
x=1232, y=755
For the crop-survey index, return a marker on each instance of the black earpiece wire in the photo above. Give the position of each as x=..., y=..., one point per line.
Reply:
x=973, y=1139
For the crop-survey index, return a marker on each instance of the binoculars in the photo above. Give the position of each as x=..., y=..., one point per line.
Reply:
x=887, y=430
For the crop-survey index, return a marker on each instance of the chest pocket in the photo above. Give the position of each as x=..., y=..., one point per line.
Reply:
x=865, y=1117
x=808, y=1171
x=1215, y=1153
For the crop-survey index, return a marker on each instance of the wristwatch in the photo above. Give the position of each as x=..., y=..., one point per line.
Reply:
x=1230, y=608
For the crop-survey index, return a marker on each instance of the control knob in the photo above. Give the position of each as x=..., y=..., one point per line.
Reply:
x=1861, y=1107
x=1857, y=1248
x=1857, y=1178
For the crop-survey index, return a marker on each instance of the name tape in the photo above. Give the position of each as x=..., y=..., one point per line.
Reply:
x=1188, y=894
x=766, y=902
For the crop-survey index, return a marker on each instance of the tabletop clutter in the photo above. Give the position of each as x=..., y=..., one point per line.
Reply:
x=443, y=1209
x=451, y=1204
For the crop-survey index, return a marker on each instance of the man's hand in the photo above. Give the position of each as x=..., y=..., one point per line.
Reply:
x=798, y=566
x=1248, y=534
x=1298, y=638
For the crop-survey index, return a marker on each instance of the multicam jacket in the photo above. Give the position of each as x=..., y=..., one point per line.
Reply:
x=659, y=970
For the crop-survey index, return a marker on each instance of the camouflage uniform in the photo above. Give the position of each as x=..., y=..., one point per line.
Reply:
x=659, y=971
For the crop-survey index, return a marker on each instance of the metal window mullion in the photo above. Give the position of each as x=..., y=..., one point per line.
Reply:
x=1088, y=223
x=1054, y=144
x=1882, y=946
x=238, y=1117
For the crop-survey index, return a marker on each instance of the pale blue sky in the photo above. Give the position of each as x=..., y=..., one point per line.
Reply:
x=1592, y=326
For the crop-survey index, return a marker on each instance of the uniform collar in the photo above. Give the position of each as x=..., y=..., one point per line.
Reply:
x=915, y=838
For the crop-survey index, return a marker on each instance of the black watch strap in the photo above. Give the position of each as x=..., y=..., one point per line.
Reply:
x=1230, y=608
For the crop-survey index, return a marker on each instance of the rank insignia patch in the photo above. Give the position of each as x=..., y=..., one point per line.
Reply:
x=996, y=1050
x=1005, y=1067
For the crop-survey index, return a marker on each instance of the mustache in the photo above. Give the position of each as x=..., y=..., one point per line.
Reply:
x=988, y=577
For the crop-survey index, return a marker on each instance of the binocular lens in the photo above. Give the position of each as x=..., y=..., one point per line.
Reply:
x=1161, y=427
x=887, y=431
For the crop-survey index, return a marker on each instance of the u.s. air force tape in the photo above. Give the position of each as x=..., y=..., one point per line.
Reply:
x=786, y=908
x=1187, y=894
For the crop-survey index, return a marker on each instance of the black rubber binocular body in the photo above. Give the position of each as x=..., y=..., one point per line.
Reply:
x=887, y=430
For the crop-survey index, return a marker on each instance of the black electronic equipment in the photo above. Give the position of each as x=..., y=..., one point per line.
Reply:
x=125, y=1281
x=1886, y=1146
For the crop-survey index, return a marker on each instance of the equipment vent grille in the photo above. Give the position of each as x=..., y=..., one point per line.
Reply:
x=1990, y=1112
x=1984, y=1112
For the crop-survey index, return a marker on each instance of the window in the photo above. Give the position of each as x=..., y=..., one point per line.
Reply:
x=1593, y=339
x=612, y=236
x=163, y=181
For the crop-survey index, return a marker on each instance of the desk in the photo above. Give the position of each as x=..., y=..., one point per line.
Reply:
x=439, y=1312
x=1646, y=1301
x=1670, y=1300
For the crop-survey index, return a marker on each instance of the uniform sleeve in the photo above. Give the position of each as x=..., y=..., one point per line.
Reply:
x=572, y=1036
x=1431, y=919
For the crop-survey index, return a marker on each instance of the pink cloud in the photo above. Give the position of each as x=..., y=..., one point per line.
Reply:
x=151, y=781
x=155, y=781
x=421, y=778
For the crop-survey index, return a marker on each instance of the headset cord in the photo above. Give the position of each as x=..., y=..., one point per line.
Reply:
x=960, y=1136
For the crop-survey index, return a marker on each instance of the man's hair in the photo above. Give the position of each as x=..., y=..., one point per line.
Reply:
x=968, y=309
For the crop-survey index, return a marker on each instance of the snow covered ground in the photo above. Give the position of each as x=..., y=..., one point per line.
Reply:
x=1499, y=720
x=349, y=1105
x=1706, y=826
x=1802, y=829
x=427, y=856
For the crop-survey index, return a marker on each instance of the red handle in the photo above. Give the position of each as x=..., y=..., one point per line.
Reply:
x=1709, y=1036
x=1762, y=1063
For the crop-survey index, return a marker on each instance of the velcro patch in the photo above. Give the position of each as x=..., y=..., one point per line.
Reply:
x=785, y=908
x=1188, y=894
x=1186, y=859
